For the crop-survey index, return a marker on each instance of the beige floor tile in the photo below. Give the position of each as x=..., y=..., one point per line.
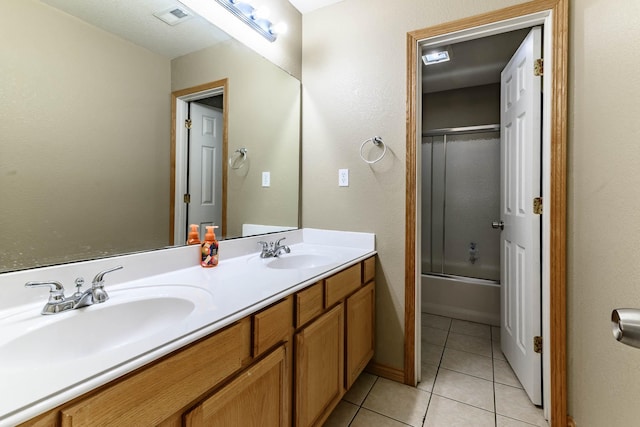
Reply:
x=444, y=412
x=495, y=333
x=434, y=321
x=398, y=401
x=468, y=363
x=471, y=328
x=431, y=353
x=503, y=374
x=514, y=403
x=502, y=421
x=497, y=352
x=477, y=345
x=360, y=388
x=342, y=415
x=427, y=377
x=366, y=418
x=434, y=336
x=464, y=388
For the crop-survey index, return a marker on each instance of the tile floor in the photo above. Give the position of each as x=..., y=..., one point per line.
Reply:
x=466, y=381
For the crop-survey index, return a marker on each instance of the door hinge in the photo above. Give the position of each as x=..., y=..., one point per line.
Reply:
x=187, y=123
x=187, y=198
x=537, y=344
x=537, y=205
x=538, y=67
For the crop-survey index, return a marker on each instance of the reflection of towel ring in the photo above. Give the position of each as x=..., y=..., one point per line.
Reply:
x=236, y=162
x=377, y=141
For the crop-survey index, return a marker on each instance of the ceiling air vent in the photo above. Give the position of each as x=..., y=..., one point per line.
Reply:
x=174, y=16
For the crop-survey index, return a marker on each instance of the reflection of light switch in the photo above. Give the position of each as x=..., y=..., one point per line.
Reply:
x=343, y=177
x=266, y=179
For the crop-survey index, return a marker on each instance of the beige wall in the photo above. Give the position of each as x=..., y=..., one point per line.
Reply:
x=84, y=140
x=264, y=116
x=354, y=77
x=354, y=87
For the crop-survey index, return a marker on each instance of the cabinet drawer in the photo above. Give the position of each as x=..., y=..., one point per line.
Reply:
x=342, y=284
x=369, y=271
x=272, y=325
x=152, y=395
x=309, y=304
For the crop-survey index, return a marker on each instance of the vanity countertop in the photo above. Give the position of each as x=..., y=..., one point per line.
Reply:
x=45, y=372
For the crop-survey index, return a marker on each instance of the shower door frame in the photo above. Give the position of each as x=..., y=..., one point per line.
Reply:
x=444, y=132
x=553, y=14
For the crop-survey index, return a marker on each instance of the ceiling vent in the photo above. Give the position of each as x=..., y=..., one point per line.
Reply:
x=174, y=16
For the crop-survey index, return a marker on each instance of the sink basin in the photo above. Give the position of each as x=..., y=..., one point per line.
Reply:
x=300, y=261
x=130, y=316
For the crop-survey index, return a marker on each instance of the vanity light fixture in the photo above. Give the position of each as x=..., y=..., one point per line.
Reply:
x=436, y=57
x=256, y=18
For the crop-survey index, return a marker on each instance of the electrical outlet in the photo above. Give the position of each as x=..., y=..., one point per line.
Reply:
x=266, y=179
x=343, y=177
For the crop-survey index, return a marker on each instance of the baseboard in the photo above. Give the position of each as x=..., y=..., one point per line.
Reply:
x=384, y=371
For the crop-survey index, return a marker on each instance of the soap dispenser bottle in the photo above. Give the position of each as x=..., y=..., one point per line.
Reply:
x=209, y=248
x=194, y=235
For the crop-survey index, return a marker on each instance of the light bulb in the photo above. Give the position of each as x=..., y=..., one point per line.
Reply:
x=279, y=28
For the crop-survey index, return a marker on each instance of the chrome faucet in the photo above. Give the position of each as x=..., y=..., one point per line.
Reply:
x=58, y=303
x=272, y=249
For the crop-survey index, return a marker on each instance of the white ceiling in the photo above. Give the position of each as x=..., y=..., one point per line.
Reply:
x=305, y=6
x=134, y=21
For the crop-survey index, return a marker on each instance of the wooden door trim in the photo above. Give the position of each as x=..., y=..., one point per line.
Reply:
x=558, y=312
x=218, y=84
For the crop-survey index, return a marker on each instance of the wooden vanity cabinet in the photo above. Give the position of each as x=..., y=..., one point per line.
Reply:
x=289, y=363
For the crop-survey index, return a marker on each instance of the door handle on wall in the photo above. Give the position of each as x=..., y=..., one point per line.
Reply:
x=498, y=224
x=626, y=326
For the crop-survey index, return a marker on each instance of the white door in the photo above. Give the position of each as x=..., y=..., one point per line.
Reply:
x=520, y=240
x=205, y=167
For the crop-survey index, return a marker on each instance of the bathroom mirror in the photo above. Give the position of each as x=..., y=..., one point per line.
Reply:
x=85, y=133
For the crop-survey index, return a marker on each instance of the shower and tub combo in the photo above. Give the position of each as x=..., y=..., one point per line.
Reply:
x=460, y=260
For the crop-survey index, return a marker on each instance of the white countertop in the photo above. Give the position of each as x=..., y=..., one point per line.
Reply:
x=238, y=286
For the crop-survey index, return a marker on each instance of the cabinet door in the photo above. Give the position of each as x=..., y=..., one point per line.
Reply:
x=319, y=354
x=258, y=397
x=360, y=331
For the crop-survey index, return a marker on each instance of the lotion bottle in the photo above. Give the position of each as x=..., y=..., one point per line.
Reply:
x=209, y=248
x=194, y=235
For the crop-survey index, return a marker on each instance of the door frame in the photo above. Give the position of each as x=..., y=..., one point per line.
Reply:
x=554, y=15
x=179, y=155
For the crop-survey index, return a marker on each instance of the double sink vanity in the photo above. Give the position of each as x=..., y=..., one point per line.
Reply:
x=255, y=341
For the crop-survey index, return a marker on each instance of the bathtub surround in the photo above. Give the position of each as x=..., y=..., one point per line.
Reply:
x=237, y=288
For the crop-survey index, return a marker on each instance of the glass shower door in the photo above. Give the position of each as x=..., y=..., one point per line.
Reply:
x=460, y=199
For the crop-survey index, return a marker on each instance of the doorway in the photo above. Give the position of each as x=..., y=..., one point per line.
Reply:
x=214, y=200
x=480, y=234
x=553, y=16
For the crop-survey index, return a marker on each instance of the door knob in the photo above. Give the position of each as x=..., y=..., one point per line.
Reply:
x=498, y=224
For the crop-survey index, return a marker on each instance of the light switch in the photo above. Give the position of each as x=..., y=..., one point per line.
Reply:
x=343, y=177
x=266, y=179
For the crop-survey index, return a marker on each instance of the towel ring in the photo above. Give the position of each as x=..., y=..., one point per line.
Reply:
x=236, y=162
x=377, y=141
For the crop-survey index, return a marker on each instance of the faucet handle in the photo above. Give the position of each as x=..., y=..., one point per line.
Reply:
x=56, y=290
x=280, y=240
x=100, y=276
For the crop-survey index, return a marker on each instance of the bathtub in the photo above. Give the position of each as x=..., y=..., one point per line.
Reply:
x=462, y=298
